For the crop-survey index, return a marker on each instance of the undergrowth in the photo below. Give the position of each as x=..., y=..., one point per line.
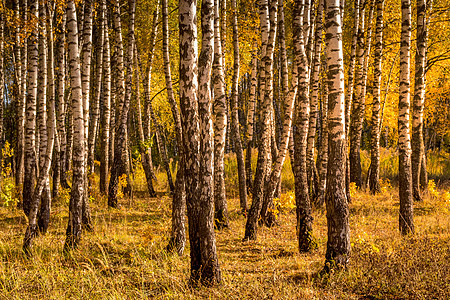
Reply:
x=125, y=258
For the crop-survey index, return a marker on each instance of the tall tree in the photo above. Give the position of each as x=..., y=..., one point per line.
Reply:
x=266, y=86
x=106, y=103
x=204, y=262
x=45, y=164
x=404, y=140
x=374, y=181
x=236, y=132
x=73, y=233
x=120, y=165
x=178, y=235
x=20, y=66
x=338, y=244
x=358, y=105
x=289, y=97
x=418, y=158
x=30, y=122
x=220, y=126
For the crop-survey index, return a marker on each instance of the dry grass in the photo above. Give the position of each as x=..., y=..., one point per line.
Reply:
x=124, y=257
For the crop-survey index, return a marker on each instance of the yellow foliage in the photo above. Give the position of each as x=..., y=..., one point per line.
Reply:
x=353, y=189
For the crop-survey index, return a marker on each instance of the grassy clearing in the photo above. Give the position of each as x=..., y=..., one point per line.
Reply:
x=124, y=257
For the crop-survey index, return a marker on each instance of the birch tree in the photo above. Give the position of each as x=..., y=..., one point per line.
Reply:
x=338, y=244
x=30, y=122
x=374, y=181
x=220, y=126
x=73, y=233
x=418, y=158
x=406, y=223
x=204, y=262
x=106, y=102
x=236, y=132
x=178, y=236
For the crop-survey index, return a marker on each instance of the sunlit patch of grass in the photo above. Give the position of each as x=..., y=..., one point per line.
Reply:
x=125, y=257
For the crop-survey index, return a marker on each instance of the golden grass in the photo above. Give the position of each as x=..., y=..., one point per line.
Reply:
x=124, y=257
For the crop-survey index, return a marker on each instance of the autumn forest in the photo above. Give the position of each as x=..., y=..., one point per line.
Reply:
x=260, y=149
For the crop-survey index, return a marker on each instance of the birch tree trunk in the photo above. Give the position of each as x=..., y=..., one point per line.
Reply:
x=322, y=157
x=42, y=102
x=61, y=100
x=418, y=147
x=21, y=98
x=314, y=92
x=30, y=122
x=73, y=233
x=106, y=102
x=268, y=41
x=178, y=234
x=338, y=244
x=220, y=126
x=86, y=54
x=119, y=167
x=146, y=154
x=251, y=118
x=288, y=102
x=95, y=112
x=406, y=223
x=374, y=182
x=44, y=213
x=204, y=262
x=236, y=132
x=302, y=200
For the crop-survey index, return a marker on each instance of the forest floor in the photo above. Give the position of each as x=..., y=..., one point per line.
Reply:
x=124, y=257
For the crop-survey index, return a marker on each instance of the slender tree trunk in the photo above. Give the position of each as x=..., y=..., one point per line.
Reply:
x=418, y=147
x=20, y=100
x=374, y=182
x=338, y=244
x=106, y=102
x=204, y=262
x=404, y=142
x=95, y=112
x=251, y=118
x=268, y=41
x=119, y=167
x=220, y=126
x=350, y=87
x=73, y=233
x=314, y=92
x=178, y=235
x=30, y=122
x=86, y=55
x=358, y=108
x=146, y=152
x=304, y=214
x=322, y=157
x=234, y=114
x=288, y=101
x=44, y=213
